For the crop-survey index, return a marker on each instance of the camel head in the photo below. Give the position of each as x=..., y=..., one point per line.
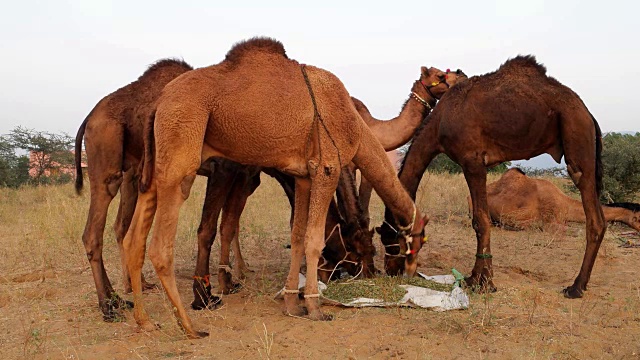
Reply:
x=629, y=214
x=350, y=248
x=437, y=82
x=402, y=247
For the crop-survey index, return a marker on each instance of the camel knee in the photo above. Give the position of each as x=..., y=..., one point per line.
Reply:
x=161, y=260
x=113, y=183
x=313, y=248
x=186, y=184
x=575, y=174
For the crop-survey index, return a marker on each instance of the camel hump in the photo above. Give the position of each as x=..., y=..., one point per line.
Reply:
x=263, y=44
x=523, y=62
x=165, y=63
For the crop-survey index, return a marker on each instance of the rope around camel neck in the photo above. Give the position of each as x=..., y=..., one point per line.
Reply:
x=318, y=119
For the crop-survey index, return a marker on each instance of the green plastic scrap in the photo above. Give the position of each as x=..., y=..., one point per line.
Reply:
x=459, y=277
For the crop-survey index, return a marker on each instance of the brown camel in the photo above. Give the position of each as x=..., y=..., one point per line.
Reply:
x=258, y=107
x=517, y=201
x=116, y=120
x=396, y=132
x=352, y=246
x=516, y=112
x=114, y=144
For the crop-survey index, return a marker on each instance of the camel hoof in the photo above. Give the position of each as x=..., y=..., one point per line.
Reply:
x=197, y=334
x=211, y=303
x=572, y=292
x=318, y=315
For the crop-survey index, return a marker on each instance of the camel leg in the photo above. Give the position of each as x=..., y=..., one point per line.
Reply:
x=128, y=198
x=323, y=186
x=229, y=229
x=582, y=171
x=134, y=248
x=105, y=177
x=300, y=216
x=364, y=194
x=241, y=266
x=218, y=186
x=481, y=278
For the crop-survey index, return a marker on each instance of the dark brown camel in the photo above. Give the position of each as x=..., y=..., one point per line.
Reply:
x=517, y=112
x=258, y=107
x=114, y=145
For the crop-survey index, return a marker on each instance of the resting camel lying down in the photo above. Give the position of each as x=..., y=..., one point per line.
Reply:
x=517, y=201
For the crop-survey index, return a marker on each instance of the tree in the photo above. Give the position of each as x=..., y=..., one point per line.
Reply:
x=50, y=154
x=621, y=159
x=14, y=169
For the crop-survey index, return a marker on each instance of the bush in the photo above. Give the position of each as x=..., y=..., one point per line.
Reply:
x=621, y=160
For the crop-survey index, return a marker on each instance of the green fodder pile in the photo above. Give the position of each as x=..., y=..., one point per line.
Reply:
x=385, y=288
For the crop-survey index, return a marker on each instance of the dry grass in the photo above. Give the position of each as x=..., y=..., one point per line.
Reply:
x=48, y=302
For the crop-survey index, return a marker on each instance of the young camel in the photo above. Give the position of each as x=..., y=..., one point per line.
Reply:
x=515, y=113
x=116, y=120
x=257, y=107
x=429, y=87
x=518, y=201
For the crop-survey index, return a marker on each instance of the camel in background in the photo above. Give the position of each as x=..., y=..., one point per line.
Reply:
x=516, y=112
x=518, y=201
x=258, y=107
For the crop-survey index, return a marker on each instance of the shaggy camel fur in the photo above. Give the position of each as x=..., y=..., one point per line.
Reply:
x=517, y=112
x=517, y=201
x=114, y=145
x=257, y=107
x=430, y=86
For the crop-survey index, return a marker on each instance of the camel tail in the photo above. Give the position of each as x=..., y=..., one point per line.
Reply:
x=599, y=167
x=78, y=155
x=148, y=156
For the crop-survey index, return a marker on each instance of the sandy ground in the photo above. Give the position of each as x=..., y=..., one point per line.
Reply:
x=52, y=312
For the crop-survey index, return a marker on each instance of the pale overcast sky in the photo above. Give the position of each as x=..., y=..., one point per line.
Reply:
x=60, y=57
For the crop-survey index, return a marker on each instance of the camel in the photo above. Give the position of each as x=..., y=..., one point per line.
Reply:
x=517, y=201
x=113, y=134
x=354, y=233
x=516, y=112
x=116, y=120
x=258, y=107
x=394, y=133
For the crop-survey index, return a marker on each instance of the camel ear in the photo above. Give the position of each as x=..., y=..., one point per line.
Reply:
x=424, y=70
x=425, y=220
